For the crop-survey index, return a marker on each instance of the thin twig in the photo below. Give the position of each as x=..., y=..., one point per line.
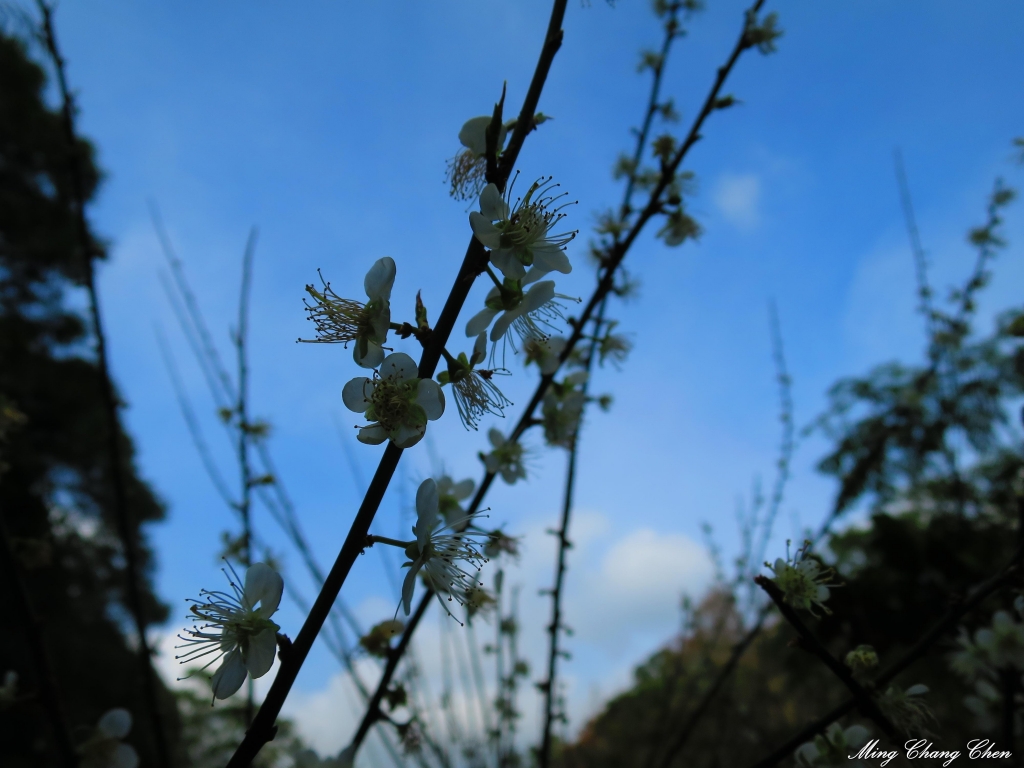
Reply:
x=115, y=455
x=195, y=431
x=245, y=428
x=549, y=686
x=787, y=445
x=924, y=291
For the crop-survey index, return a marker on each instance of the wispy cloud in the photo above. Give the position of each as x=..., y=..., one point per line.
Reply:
x=738, y=198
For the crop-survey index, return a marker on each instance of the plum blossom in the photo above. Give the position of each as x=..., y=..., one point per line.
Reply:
x=467, y=171
x=803, y=582
x=396, y=401
x=506, y=459
x=450, y=495
x=439, y=550
x=475, y=392
x=519, y=236
x=234, y=629
x=544, y=353
x=344, y=320
x=530, y=315
x=562, y=408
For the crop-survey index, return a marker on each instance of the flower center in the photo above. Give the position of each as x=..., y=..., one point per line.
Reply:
x=391, y=402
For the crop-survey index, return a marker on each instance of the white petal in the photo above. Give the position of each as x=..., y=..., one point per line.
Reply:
x=380, y=321
x=504, y=322
x=575, y=379
x=124, y=756
x=473, y=135
x=400, y=366
x=380, y=279
x=478, y=323
x=539, y=295
x=374, y=355
x=505, y=260
x=426, y=512
x=115, y=724
x=492, y=205
x=462, y=489
x=496, y=437
x=551, y=258
x=479, y=348
x=485, y=232
x=263, y=585
x=430, y=398
x=372, y=435
x=823, y=594
x=917, y=690
x=230, y=676
x=532, y=276
x=409, y=586
x=262, y=649
x=407, y=436
x=355, y=393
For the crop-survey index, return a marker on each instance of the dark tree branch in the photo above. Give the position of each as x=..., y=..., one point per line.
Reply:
x=263, y=727
x=617, y=252
x=812, y=645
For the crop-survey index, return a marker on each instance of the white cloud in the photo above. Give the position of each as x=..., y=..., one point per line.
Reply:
x=637, y=589
x=738, y=198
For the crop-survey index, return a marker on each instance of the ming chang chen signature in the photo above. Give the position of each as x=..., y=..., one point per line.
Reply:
x=977, y=749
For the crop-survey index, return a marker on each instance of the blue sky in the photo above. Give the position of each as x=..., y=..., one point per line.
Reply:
x=328, y=126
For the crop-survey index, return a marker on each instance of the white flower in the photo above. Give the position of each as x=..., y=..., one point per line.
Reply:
x=530, y=315
x=439, y=549
x=450, y=493
x=506, y=459
x=235, y=629
x=345, y=320
x=398, y=402
x=475, y=393
x=467, y=171
x=562, y=408
x=519, y=236
x=678, y=228
x=907, y=712
x=545, y=353
x=474, y=135
x=104, y=749
x=803, y=582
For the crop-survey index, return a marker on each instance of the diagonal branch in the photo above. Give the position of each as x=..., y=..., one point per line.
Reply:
x=811, y=644
x=616, y=253
x=263, y=727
